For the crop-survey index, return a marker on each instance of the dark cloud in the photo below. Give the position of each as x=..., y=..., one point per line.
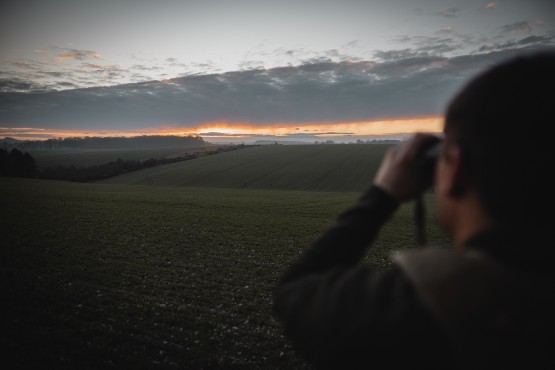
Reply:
x=56, y=74
x=63, y=53
x=352, y=44
x=437, y=45
x=536, y=40
x=142, y=67
x=93, y=65
x=391, y=55
x=526, y=41
x=449, y=42
x=450, y=13
x=18, y=85
x=417, y=85
x=67, y=85
x=523, y=26
x=53, y=73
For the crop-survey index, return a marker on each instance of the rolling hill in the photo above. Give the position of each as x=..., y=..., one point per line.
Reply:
x=92, y=157
x=302, y=167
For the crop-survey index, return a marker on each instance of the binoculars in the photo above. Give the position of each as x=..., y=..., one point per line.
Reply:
x=427, y=158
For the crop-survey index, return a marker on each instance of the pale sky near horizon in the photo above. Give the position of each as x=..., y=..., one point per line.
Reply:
x=298, y=69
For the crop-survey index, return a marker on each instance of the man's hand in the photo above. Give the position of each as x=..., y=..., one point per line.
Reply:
x=399, y=174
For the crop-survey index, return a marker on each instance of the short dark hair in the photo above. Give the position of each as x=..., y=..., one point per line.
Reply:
x=501, y=121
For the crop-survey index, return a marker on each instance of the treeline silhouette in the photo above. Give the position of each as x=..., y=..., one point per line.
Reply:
x=119, y=166
x=15, y=163
x=136, y=142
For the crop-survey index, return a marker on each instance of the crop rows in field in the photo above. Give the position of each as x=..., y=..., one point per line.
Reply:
x=302, y=167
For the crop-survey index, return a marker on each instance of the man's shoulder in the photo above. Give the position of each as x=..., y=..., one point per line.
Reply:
x=481, y=302
x=454, y=283
x=433, y=265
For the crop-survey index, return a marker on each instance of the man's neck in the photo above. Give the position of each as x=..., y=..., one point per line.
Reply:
x=471, y=219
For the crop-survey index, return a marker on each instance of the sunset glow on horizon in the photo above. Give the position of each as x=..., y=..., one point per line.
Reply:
x=337, y=71
x=231, y=130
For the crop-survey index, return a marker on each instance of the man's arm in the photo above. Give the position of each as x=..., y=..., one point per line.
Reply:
x=344, y=244
x=335, y=311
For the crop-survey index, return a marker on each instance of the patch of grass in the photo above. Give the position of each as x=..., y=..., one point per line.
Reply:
x=106, y=276
x=281, y=167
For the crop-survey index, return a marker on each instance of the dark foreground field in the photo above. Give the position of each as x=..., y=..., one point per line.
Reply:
x=106, y=276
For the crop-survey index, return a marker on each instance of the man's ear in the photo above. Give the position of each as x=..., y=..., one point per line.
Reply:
x=456, y=181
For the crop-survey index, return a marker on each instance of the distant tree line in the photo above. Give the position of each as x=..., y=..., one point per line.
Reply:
x=136, y=142
x=15, y=163
x=119, y=167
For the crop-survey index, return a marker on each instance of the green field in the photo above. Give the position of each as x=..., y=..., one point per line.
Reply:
x=118, y=276
x=92, y=157
x=299, y=167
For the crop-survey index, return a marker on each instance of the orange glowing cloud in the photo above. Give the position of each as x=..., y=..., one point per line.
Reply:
x=42, y=52
x=337, y=129
x=66, y=57
x=238, y=130
x=489, y=6
x=382, y=127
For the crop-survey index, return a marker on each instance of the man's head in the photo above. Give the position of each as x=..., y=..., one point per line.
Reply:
x=499, y=125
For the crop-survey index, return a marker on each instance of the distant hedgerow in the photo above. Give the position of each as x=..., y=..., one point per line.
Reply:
x=119, y=167
x=17, y=164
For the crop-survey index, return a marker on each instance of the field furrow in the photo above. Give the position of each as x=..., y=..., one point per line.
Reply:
x=299, y=167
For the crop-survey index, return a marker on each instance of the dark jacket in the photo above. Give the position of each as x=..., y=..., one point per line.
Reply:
x=435, y=309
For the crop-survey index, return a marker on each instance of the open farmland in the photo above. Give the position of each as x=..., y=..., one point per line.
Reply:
x=92, y=157
x=118, y=276
x=303, y=167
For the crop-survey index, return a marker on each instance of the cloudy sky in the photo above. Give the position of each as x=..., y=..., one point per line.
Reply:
x=300, y=70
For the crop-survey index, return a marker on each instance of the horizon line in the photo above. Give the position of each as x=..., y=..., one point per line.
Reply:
x=238, y=131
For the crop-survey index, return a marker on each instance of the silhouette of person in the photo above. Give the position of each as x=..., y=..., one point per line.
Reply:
x=488, y=301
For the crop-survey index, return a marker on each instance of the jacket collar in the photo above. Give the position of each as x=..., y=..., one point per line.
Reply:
x=527, y=250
